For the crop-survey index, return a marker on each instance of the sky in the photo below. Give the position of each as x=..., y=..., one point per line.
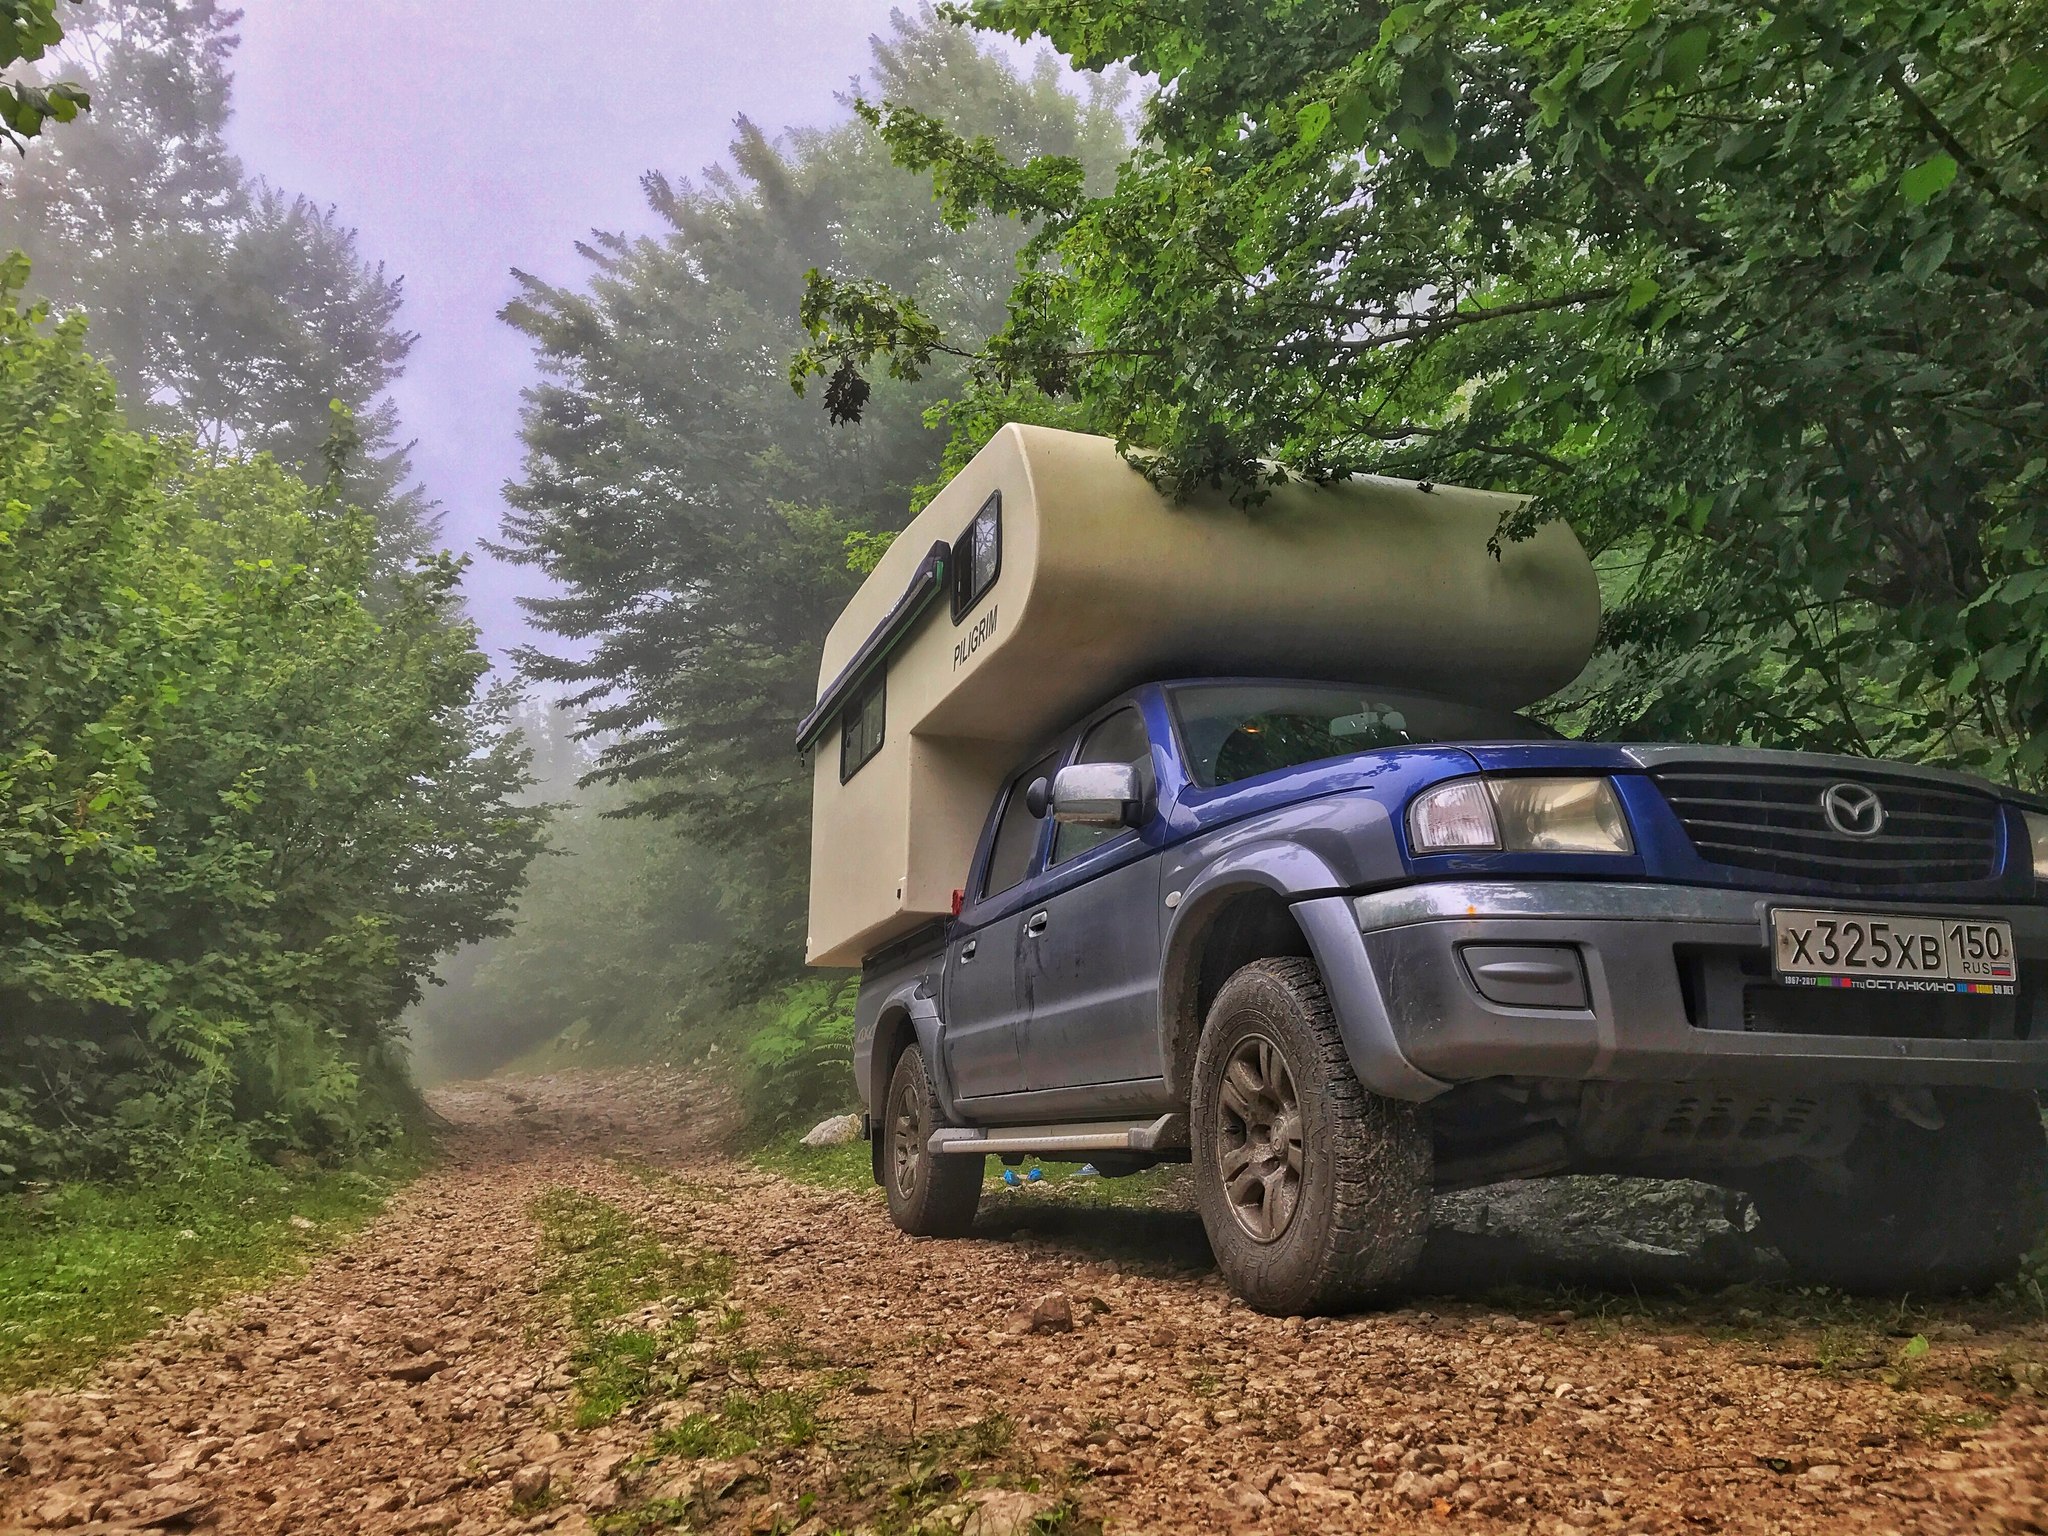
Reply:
x=462, y=138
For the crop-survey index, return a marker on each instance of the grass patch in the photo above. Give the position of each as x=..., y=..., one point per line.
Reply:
x=844, y=1167
x=744, y=1422
x=909, y=1478
x=602, y=1265
x=644, y=1519
x=88, y=1268
x=1168, y=1186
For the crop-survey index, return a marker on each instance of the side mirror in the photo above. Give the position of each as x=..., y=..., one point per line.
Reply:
x=1038, y=798
x=1097, y=795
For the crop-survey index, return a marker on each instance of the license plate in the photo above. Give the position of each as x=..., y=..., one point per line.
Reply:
x=1969, y=955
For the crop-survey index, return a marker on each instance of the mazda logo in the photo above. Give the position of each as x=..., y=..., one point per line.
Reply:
x=1852, y=810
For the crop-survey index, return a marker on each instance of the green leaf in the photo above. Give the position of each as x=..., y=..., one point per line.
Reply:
x=1684, y=55
x=1924, y=257
x=1310, y=122
x=1927, y=178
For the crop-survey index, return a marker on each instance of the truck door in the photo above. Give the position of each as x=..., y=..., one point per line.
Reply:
x=1089, y=963
x=982, y=1007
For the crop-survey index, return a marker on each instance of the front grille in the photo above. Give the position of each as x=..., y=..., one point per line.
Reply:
x=1770, y=819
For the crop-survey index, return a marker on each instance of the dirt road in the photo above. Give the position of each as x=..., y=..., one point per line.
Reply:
x=586, y=1319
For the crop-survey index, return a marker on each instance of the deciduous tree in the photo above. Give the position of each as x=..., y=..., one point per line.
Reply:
x=1758, y=296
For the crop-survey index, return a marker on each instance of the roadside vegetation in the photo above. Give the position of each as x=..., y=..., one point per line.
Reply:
x=86, y=1268
x=254, y=779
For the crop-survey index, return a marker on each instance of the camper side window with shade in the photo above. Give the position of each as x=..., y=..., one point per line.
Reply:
x=860, y=728
x=977, y=556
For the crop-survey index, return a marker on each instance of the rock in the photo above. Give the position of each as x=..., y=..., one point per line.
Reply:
x=60, y=1511
x=301, y=1224
x=1412, y=1488
x=418, y=1368
x=541, y=1445
x=174, y=1504
x=530, y=1482
x=1003, y=1512
x=1051, y=1313
x=1250, y=1500
x=436, y=1519
x=835, y=1132
x=1824, y=1472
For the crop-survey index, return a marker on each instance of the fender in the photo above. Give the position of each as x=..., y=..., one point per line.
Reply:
x=1355, y=997
x=1313, y=891
x=912, y=999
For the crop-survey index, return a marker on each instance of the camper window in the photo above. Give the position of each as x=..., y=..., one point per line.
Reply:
x=860, y=728
x=1009, y=861
x=978, y=556
x=1120, y=738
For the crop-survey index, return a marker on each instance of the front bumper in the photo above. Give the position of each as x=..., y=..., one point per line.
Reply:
x=1672, y=976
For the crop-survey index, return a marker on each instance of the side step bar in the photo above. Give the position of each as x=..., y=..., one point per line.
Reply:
x=1167, y=1133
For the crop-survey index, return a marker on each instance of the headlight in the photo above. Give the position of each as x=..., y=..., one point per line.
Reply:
x=1548, y=815
x=2037, y=833
x=1454, y=815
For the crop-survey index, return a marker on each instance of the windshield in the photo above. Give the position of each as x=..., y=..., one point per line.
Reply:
x=1233, y=731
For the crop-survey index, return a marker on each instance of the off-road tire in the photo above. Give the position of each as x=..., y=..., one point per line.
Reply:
x=928, y=1196
x=1918, y=1211
x=1361, y=1210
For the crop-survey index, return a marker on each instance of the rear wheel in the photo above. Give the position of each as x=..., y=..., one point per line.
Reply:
x=1314, y=1193
x=1917, y=1210
x=929, y=1196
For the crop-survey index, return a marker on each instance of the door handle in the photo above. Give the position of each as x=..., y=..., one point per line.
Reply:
x=967, y=950
x=1035, y=924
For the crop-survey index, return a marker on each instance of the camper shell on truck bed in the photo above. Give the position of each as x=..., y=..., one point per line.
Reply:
x=1049, y=574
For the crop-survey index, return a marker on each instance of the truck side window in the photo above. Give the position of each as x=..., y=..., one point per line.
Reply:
x=1009, y=861
x=1120, y=738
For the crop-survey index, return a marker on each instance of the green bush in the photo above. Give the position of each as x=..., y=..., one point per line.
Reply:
x=800, y=1058
x=244, y=803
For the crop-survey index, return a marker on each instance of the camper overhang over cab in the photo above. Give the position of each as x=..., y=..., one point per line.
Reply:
x=1049, y=574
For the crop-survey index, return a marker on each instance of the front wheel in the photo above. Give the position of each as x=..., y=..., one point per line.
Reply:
x=1951, y=1209
x=929, y=1195
x=1314, y=1192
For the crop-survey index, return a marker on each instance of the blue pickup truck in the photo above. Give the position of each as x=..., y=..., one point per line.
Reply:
x=1341, y=946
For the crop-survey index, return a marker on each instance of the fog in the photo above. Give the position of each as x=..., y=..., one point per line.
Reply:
x=468, y=138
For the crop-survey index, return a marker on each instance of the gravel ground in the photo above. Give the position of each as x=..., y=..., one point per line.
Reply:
x=1071, y=1369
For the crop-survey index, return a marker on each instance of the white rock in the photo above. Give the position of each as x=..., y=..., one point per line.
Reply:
x=1004, y=1513
x=836, y=1132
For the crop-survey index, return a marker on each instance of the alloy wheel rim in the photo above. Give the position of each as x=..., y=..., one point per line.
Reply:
x=1258, y=1140
x=909, y=1120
